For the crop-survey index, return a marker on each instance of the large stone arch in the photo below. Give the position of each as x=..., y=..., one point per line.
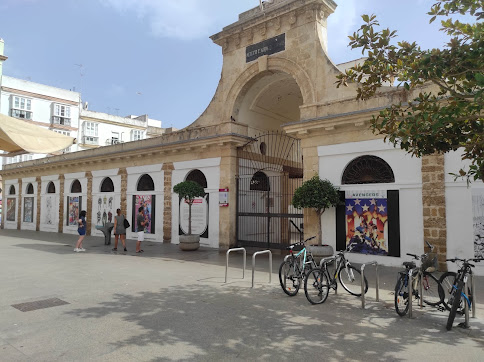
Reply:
x=263, y=66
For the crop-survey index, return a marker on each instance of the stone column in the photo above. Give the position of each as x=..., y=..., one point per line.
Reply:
x=167, y=208
x=39, y=191
x=19, y=206
x=89, y=202
x=124, y=189
x=433, y=200
x=228, y=215
x=61, y=203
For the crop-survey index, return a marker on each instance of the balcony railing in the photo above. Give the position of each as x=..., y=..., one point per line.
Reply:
x=63, y=121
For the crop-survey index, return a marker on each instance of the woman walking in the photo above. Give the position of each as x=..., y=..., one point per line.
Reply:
x=81, y=229
x=119, y=230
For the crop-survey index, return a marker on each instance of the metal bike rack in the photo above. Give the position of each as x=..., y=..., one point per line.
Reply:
x=270, y=264
x=325, y=260
x=410, y=293
x=227, y=261
x=473, y=293
x=363, y=283
x=466, y=307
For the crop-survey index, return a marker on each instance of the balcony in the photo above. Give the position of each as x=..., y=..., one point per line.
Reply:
x=61, y=121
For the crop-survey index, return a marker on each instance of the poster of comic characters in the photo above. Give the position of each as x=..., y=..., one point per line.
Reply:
x=105, y=209
x=74, y=204
x=11, y=206
x=478, y=221
x=148, y=203
x=367, y=221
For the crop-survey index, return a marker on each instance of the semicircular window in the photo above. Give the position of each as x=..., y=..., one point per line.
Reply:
x=198, y=177
x=30, y=189
x=12, y=190
x=367, y=170
x=76, y=187
x=260, y=182
x=51, y=188
x=146, y=183
x=107, y=185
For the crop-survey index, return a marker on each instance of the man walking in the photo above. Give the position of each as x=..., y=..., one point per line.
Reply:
x=140, y=223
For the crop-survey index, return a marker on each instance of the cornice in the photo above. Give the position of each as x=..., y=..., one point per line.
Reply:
x=41, y=96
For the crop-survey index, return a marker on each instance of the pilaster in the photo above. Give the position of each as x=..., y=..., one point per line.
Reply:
x=19, y=206
x=89, y=202
x=167, y=192
x=61, y=203
x=124, y=189
x=39, y=191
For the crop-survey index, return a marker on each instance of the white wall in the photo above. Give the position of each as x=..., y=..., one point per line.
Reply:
x=110, y=201
x=49, y=205
x=211, y=169
x=68, y=180
x=10, y=224
x=407, y=171
x=134, y=174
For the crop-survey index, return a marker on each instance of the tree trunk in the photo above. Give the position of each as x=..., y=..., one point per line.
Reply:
x=320, y=229
x=190, y=218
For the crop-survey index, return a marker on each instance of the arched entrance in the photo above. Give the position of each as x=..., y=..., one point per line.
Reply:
x=270, y=170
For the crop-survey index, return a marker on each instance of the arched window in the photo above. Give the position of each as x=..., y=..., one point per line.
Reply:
x=146, y=183
x=367, y=170
x=30, y=189
x=107, y=185
x=11, y=191
x=198, y=177
x=51, y=188
x=76, y=187
x=260, y=182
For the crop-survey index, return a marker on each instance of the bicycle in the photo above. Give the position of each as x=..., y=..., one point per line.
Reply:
x=458, y=298
x=434, y=293
x=320, y=280
x=293, y=268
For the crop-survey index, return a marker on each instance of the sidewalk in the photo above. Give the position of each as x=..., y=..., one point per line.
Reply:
x=166, y=304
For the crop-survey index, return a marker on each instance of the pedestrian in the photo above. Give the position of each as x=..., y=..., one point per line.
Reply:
x=119, y=230
x=81, y=229
x=140, y=223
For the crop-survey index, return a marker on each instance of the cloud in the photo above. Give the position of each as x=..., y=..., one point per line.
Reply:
x=182, y=19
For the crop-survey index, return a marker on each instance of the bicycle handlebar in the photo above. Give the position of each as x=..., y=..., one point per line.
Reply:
x=414, y=256
x=299, y=243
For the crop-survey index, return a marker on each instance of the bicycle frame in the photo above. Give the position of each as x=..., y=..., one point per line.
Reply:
x=464, y=295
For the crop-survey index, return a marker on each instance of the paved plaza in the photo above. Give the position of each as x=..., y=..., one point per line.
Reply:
x=170, y=305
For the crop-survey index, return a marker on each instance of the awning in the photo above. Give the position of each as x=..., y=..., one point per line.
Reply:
x=17, y=136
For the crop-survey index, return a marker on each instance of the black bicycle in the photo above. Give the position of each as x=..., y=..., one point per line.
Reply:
x=294, y=268
x=458, y=297
x=433, y=293
x=320, y=279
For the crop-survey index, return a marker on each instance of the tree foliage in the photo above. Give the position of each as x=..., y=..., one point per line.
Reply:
x=446, y=119
x=189, y=190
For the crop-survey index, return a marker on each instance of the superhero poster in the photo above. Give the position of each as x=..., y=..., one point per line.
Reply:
x=367, y=222
x=147, y=201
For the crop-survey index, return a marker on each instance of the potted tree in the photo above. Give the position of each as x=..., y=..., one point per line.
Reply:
x=319, y=195
x=189, y=190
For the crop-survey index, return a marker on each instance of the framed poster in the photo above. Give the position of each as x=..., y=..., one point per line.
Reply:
x=105, y=209
x=148, y=203
x=50, y=210
x=11, y=207
x=199, y=217
x=478, y=221
x=74, y=205
x=28, y=209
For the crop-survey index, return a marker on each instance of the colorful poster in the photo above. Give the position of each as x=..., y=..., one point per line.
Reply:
x=367, y=222
x=29, y=209
x=11, y=206
x=105, y=209
x=73, y=209
x=147, y=201
x=478, y=221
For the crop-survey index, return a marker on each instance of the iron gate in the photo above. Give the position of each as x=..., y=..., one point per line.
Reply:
x=270, y=170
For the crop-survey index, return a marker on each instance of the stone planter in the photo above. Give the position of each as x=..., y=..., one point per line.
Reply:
x=321, y=251
x=189, y=242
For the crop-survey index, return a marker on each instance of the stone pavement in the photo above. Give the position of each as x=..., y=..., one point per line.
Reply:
x=170, y=305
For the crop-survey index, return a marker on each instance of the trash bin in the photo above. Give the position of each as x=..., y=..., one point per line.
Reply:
x=106, y=229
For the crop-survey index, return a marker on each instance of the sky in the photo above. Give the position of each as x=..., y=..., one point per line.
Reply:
x=154, y=56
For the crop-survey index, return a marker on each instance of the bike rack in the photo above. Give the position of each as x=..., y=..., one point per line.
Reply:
x=363, y=283
x=410, y=293
x=473, y=293
x=270, y=264
x=325, y=260
x=227, y=262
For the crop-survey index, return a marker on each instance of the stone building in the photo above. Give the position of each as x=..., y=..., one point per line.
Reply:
x=276, y=119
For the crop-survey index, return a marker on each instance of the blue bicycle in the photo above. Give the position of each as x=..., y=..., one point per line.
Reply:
x=295, y=267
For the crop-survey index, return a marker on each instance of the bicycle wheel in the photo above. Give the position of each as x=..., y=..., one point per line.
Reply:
x=289, y=277
x=316, y=286
x=433, y=294
x=401, y=296
x=456, y=297
x=447, y=280
x=350, y=279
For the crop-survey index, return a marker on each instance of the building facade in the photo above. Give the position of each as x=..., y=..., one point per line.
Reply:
x=276, y=119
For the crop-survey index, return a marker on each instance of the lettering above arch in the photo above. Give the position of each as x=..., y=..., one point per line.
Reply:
x=367, y=170
x=107, y=185
x=198, y=177
x=260, y=182
x=145, y=183
x=76, y=187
